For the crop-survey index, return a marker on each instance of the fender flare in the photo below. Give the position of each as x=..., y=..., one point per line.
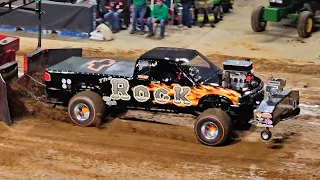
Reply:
x=214, y=96
x=85, y=87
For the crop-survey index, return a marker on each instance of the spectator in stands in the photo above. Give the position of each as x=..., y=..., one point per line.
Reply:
x=113, y=16
x=126, y=17
x=139, y=8
x=160, y=14
x=186, y=16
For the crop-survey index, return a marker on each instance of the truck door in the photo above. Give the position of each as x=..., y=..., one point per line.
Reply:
x=141, y=83
x=169, y=86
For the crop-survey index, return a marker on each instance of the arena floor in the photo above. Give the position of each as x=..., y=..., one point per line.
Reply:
x=45, y=144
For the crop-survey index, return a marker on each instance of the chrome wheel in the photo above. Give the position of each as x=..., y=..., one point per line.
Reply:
x=209, y=130
x=82, y=112
x=266, y=134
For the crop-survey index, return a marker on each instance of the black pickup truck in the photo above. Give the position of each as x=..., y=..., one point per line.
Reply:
x=163, y=79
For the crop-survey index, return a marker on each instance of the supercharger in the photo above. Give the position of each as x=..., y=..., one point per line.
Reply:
x=236, y=74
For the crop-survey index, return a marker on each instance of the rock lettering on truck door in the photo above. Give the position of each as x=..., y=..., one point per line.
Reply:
x=141, y=93
x=161, y=96
x=119, y=89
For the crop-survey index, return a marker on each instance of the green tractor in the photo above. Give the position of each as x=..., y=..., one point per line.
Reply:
x=305, y=12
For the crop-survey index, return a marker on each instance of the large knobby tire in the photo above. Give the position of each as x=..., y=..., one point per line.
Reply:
x=218, y=122
x=257, y=23
x=86, y=108
x=305, y=24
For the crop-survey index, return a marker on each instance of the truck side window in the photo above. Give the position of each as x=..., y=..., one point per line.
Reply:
x=168, y=73
x=143, y=71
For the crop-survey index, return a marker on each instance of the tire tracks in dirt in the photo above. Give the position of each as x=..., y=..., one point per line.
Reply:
x=44, y=144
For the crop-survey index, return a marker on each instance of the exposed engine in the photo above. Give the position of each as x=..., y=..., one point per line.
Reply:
x=238, y=75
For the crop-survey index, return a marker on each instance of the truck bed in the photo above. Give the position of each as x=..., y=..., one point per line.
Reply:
x=85, y=65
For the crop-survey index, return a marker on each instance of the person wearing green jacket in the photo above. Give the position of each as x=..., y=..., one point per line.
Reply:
x=160, y=14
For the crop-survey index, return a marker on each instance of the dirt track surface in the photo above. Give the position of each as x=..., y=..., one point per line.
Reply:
x=43, y=143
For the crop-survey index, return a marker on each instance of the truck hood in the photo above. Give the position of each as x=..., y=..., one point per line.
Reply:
x=95, y=66
x=210, y=76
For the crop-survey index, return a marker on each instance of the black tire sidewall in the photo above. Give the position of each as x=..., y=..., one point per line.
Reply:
x=221, y=130
x=256, y=19
x=92, y=110
x=302, y=25
x=266, y=132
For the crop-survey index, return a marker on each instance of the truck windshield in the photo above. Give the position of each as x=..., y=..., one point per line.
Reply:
x=200, y=68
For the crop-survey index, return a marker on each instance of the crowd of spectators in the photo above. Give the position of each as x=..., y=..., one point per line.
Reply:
x=117, y=14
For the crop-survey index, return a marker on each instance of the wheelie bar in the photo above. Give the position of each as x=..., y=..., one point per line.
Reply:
x=278, y=105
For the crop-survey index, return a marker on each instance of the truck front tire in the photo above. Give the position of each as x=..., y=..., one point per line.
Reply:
x=213, y=127
x=257, y=23
x=86, y=108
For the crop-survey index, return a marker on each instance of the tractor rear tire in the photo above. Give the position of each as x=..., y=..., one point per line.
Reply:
x=305, y=24
x=257, y=23
x=221, y=125
x=86, y=108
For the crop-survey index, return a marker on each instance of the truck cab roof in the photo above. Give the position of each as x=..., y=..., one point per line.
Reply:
x=170, y=54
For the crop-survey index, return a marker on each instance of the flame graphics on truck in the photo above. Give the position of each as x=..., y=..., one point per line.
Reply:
x=196, y=93
x=164, y=94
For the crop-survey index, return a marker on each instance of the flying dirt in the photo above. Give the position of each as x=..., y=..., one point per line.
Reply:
x=44, y=143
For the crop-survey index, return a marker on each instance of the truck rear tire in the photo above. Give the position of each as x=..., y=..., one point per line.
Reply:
x=305, y=24
x=257, y=23
x=213, y=127
x=86, y=108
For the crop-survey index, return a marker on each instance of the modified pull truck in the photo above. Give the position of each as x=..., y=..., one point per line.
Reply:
x=173, y=80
